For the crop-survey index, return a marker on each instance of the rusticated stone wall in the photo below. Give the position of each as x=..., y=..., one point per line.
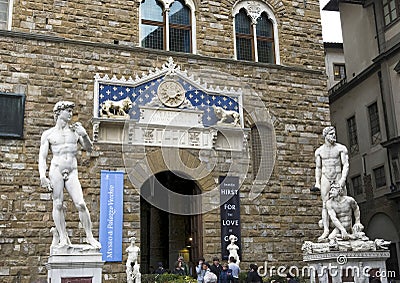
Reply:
x=106, y=21
x=53, y=52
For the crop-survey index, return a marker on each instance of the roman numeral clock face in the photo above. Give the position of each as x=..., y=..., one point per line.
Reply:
x=171, y=93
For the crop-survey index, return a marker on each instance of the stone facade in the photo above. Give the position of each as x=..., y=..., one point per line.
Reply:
x=54, y=51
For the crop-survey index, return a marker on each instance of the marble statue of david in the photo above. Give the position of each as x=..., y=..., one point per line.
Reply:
x=63, y=141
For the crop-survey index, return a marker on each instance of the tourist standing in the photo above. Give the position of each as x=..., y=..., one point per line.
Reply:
x=160, y=269
x=235, y=269
x=200, y=271
x=226, y=274
x=178, y=270
x=184, y=265
x=216, y=268
x=252, y=276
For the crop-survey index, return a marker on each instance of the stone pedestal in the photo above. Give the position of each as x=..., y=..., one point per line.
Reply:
x=347, y=266
x=75, y=263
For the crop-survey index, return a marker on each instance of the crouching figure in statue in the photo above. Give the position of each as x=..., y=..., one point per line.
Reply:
x=63, y=139
x=341, y=209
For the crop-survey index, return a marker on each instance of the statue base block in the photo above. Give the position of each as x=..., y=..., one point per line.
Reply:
x=75, y=263
x=347, y=266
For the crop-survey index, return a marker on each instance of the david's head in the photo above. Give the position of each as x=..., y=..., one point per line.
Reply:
x=62, y=105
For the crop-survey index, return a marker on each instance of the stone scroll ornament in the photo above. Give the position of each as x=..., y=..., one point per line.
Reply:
x=63, y=140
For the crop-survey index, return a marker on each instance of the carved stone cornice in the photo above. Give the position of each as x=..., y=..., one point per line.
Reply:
x=348, y=255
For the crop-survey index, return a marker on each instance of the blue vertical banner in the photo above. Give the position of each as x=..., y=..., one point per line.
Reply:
x=111, y=214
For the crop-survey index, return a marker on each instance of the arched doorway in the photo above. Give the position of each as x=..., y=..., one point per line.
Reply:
x=164, y=235
x=381, y=226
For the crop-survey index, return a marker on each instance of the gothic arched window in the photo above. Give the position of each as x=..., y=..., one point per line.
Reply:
x=255, y=33
x=265, y=39
x=167, y=25
x=179, y=27
x=244, y=36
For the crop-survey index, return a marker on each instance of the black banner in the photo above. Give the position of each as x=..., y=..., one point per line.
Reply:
x=230, y=213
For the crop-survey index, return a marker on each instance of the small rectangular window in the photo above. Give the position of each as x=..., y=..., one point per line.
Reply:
x=339, y=72
x=375, y=129
x=390, y=11
x=4, y=10
x=380, y=177
x=396, y=169
x=12, y=108
x=352, y=133
x=357, y=185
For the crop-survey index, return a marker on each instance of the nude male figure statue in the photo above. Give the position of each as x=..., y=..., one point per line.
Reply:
x=133, y=252
x=332, y=165
x=341, y=209
x=62, y=139
x=132, y=266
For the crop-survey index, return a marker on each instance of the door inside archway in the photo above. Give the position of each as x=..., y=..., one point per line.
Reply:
x=164, y=235
x=381, y=226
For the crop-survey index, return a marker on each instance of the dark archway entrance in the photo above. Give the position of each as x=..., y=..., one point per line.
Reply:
x=165, y=236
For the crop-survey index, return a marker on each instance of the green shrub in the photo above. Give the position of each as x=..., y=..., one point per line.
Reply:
x=279, y=279
x=242, y=277
x=167, y=278
x=275, y=278
x=149, y=278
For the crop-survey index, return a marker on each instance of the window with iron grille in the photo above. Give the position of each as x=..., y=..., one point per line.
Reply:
x=352, y=133
x=380, y=177
x=375, y=130
x=244, y=36
x=158, y=33
x=249, y=33
x=262, y=141
x=339, y=72
x=179, y=27
x=265, y=39
x=390, y=10
x=357, y=185
x=12, y=108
